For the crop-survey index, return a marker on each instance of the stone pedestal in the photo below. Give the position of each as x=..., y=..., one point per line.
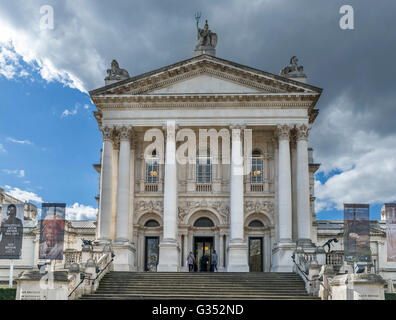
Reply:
x=169, y=257
x=282, y=257
x=357, y=287
x=32, y=285
x=237, y=257
x=124, y=259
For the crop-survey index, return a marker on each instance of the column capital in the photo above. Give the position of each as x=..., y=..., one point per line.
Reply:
x=108, y=133
x=125, y=132
x=283, y=131
x=302, y=132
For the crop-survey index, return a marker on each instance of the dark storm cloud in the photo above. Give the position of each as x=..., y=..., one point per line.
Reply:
x=356, y=68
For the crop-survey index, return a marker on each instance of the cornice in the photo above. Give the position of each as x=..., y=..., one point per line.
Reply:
x=223, y=68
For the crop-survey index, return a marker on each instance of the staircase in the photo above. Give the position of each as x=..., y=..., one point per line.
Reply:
x=200, y=286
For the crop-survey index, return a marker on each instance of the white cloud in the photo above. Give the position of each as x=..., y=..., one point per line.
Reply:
x=19, y=141
x=2, y=149
x=364, y=162
x=80, y=212
x=23, y=195
x=18, y=173
x=68, y=112
x=9, y=61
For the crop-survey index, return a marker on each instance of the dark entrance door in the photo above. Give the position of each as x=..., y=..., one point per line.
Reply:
x=203, y=248
x=151, y=254
x=255, y=254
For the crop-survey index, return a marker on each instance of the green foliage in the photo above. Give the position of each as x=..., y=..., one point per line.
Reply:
x=7, y=294
x=390, y=296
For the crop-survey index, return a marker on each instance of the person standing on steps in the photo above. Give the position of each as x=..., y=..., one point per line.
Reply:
x=190, y=261
x=214, y=261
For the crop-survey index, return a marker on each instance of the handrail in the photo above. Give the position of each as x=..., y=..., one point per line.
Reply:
x=303, y=272
x=98, y=274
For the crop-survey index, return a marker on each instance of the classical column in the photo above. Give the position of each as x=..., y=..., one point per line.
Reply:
x=123, y=249
x=303, y=197
x=168, y=256
x=122, y=224
x=283, y=249
x=106, y=187
x=237, y=249
x=284, y=184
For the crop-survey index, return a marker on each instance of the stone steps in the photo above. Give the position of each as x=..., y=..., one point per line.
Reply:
x=200, y=286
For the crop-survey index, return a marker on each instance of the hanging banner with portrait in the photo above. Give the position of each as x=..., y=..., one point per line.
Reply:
x=11, y=231
x=357, y=233
x=390, y=210
x=52, y=231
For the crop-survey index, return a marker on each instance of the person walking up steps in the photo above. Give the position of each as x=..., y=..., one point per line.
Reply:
x=191, y=261
x=214, y=261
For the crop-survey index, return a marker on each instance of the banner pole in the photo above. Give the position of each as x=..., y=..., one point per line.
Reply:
x=11, y=273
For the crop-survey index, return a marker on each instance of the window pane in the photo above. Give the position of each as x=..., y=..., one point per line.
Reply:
x=152, y=171
x=204, y=170
x=256, y=175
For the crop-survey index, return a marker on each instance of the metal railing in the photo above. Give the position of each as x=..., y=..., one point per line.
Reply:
x=99, y=272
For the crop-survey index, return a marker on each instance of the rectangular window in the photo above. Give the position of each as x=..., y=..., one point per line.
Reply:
x=256, y=175
x=152, y=171
x=204, y=170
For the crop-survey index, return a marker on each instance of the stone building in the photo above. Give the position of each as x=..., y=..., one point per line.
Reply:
x=155, y=210
x=74, y=232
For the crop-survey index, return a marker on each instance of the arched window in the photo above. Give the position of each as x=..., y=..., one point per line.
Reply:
x=204, y=168
x=152, y=169
x=256, y=174
x=204, y=223
x=256, y=224
x=152, y=224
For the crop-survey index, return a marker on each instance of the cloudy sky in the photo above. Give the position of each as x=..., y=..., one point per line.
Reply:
x=49, y=138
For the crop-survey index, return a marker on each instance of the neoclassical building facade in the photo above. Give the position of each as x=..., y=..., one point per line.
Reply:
x=155, y=209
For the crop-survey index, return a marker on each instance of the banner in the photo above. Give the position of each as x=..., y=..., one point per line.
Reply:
x=11, y=231
x=52, y=227
x=357, y=233
x=390, y=209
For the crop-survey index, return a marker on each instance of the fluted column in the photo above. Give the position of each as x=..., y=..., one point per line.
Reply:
x=236, y=185
x=237, y=249
x=106, y=186
x=303, y=198
x=284, y=184
x=283, y=249
x=123, y=212
x=168, y=257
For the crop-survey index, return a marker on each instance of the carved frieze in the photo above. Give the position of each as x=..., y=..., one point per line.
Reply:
x=221, y=207
x=259, y=206
x=142, y=206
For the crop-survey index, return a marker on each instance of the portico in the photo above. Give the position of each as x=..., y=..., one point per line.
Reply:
x=260, y=201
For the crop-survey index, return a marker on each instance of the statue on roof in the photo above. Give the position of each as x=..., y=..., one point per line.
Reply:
x=292, y=68
x=207, y=40
x=116, y=73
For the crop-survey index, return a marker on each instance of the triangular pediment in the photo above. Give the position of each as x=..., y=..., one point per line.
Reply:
x=205, y=75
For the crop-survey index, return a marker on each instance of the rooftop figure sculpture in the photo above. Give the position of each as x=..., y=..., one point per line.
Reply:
x=207, y=40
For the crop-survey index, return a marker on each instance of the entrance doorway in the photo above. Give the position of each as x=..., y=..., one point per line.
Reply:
x=203, y=249
x=151, y=254
x=255, y=254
